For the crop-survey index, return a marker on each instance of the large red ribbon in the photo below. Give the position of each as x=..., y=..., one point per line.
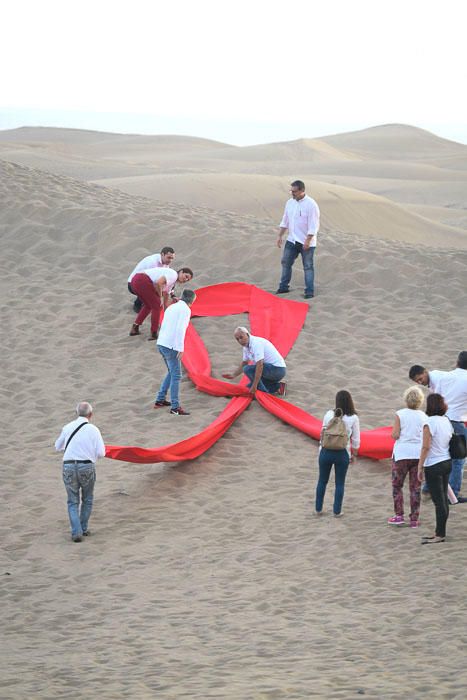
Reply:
x=278, y=319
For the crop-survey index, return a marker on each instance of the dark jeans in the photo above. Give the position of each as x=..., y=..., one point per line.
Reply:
x=137, y=304
x=457, y=464
x=327, y=458
x=437, y=479
x=270, y=377
x=290, y=254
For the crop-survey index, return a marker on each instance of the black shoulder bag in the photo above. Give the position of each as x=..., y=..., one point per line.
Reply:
x=457, y=446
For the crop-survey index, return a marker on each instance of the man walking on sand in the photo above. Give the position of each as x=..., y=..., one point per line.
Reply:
x=171, y=344
x=453, y=388
x=268, y=366
x=163, y=259
x=301, y=220
x=82, y=446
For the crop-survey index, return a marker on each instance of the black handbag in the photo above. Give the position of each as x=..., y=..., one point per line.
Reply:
x=457, y=446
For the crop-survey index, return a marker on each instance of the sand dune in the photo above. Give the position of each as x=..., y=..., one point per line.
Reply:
x=212, y=578
x=398, y=142
x=402, y=164
x=343, y=209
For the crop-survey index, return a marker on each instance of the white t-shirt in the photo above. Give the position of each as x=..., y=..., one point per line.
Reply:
x=155, y=273
x=301, y=219
x=174, y=324
x=434, y=378
x=262, y=349
x=441, y=431
x=453, y=388
x=409, y=443
x=147, y=262
x=352, y=424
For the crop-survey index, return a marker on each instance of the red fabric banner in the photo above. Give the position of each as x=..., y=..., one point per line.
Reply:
x=278, y=319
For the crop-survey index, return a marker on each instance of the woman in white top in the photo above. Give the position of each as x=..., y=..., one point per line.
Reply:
x=153, y=286
x=407, y=432
x=341, y=458
x=435, y=460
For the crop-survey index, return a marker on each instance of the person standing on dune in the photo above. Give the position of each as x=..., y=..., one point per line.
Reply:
x=301, y=220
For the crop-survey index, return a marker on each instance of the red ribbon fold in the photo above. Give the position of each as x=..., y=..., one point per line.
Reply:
x=278, y=319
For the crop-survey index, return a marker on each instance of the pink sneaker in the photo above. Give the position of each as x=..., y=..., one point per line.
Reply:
x=396, y=520
x=415, y=523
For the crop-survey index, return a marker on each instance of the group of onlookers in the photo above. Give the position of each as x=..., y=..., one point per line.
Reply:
x=422, y=450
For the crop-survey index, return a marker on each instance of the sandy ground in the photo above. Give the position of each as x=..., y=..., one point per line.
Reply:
x=213, y=578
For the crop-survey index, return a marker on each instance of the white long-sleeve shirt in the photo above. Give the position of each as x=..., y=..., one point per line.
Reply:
x=301, y=219
x=174, y=324
x=87, y=444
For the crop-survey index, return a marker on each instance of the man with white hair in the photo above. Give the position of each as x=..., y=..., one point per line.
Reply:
x=268, y=366
x=82, y=446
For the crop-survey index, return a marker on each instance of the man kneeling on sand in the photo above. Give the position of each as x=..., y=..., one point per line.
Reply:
x=268, y=366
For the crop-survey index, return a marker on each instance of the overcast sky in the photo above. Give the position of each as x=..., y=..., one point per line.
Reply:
x=246, y=71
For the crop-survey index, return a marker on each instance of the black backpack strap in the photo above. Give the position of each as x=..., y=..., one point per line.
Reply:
x=73, y=435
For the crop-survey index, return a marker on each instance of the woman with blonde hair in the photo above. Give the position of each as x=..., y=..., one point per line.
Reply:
x=407, y=432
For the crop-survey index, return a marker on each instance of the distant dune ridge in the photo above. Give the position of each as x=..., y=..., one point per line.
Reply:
x=212, y=578
x=403, y=165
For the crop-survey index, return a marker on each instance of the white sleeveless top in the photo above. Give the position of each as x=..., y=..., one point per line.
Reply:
x=441, y=431
x=409, y=443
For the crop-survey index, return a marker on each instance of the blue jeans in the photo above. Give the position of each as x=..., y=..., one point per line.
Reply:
x=270, y=377
x=79, y=479
x=172, y=378
x=290, y=254
x=455, y=480
x=340, y=459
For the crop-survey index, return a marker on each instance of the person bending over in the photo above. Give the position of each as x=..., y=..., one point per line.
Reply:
x=163, y=259
x=153, y=286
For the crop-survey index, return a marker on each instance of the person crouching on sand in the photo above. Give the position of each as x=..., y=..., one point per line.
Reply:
x=268, y=365
x=153, y=287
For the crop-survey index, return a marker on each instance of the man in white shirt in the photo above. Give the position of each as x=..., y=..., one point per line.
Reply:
x=171, y=344
x=82, y=445
x=163, y=259
x=301, y=220
x=453, y=388
x=268, y=366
